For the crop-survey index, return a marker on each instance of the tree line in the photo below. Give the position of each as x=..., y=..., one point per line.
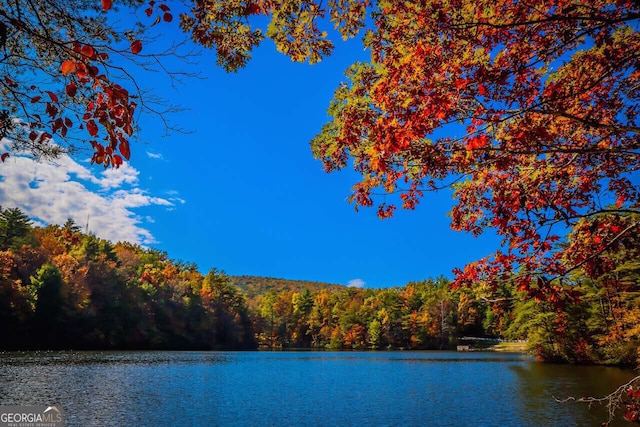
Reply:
x=64, y=289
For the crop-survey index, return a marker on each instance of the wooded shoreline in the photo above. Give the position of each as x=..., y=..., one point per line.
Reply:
x=64, y=289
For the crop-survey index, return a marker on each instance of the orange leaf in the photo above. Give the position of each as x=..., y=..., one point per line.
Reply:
x=88, y=51
x=68, y=66
x=477, y=142
x=136, y=47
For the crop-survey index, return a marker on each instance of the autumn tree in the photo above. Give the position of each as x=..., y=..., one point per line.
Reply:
x=233, y=28
x=527, y=112
x=66, y=73
x=16, y=303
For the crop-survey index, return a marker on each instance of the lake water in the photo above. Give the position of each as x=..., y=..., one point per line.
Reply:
x=304, y=388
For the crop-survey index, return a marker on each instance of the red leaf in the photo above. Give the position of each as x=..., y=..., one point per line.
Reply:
x=81, y=70
x=477, y=142
x=71, y=89
x=92, y=127
x=148, y=11
x=68, y=66
x=53, y=96
x=117, y=161
x=124, y=149
x=106, y=4
x=164, y=7
x=4, y=157
x=35, y=99
x=136, y=47
x=253, y=9
x=167, y=17
x=51, y=110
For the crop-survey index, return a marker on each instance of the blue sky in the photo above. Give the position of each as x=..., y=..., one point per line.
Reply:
x=241, y=191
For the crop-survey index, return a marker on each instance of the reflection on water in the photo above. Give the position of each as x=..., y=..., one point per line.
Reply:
x=555, y=381
x=303, y=388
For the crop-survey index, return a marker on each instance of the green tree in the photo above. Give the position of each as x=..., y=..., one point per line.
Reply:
x=49, y=319
x=302, y=303
x=267, y=312
x=71, y=226
x=15, y=227
x=375, y=333
x=227, y=305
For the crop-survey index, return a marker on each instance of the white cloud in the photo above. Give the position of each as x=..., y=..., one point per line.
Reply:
x=114, y=178
x=51, y=192
x=356, y=283
x=154, y=155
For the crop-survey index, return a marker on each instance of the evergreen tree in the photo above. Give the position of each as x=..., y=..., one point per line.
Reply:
x=14, y=227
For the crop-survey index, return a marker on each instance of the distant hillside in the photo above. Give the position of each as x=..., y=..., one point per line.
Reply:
x=254, y=286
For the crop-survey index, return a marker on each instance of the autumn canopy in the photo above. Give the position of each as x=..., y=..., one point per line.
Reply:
x=528, y=111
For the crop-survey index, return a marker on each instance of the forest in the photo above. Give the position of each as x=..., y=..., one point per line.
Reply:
x=61, y=288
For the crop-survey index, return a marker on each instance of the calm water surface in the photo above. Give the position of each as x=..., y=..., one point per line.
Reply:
x=304, y=388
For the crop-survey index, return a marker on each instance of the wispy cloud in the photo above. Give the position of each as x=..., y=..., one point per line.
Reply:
x=154, y=155
x=51, y=192
x=356, y=283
